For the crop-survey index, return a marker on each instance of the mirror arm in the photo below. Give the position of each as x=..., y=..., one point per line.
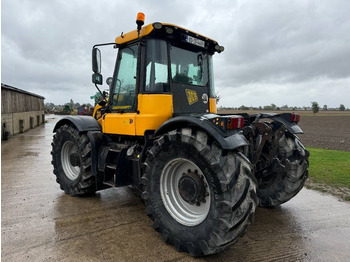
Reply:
x=115, y=45
x=104, y=98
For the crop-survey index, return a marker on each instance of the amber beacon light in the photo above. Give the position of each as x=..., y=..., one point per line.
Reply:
x=140, y=20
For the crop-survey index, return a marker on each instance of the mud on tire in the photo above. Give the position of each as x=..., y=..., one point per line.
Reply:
x=228, y=207
x=71, y=159
x=287, y=174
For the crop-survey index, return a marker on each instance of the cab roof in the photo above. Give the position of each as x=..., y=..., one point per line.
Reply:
x=166, y=30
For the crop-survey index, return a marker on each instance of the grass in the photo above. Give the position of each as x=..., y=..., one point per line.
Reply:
x=331, y=167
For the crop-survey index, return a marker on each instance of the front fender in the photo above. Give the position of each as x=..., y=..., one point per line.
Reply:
x=82, y=123
x=226, y=141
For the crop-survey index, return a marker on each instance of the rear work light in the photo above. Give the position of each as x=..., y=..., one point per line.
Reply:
x=229, y=122
x=295, y=118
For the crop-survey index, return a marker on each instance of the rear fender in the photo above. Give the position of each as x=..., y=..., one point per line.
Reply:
x=284, y=118
x=227, y=142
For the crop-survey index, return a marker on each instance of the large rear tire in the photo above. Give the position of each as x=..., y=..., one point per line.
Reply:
x=287, y=173
x=71, y=159
x=200, y=197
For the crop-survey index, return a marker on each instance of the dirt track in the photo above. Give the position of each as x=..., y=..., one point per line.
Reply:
x=41, y=223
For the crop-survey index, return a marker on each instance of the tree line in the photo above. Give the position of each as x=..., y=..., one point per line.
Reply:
x=272, y=107
x=316, y=108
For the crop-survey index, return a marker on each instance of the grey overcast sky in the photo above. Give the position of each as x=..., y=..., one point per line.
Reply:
x=276, y=51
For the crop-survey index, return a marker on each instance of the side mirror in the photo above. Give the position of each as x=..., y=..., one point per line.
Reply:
x=96, y=60
x=97, y=79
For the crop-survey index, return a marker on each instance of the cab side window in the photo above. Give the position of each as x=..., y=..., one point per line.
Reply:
x=156, y=80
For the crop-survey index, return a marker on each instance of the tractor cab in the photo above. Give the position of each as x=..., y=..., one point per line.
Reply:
x=161, y=71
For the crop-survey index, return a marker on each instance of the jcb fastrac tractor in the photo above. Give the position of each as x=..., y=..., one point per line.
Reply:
x=201, y=174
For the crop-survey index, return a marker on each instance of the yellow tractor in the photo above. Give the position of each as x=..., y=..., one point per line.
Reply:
x=201, y=174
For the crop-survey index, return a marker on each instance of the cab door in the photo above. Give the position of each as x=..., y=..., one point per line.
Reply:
x=123, y=94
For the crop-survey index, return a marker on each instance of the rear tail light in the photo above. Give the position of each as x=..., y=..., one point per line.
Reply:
x=229, y=122
x=295, y=118
x=235, y=122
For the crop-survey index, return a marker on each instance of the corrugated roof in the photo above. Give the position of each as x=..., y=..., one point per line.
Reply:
x=19, y=90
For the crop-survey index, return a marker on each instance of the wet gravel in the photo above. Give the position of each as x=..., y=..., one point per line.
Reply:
x=41, y=223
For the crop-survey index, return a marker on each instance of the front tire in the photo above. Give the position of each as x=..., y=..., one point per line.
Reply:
x=71, y=159
x=200, y=197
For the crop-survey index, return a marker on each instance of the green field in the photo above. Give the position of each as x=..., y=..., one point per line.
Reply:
x=331, y=167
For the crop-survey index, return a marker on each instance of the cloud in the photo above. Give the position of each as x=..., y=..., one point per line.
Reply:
x=281, y=52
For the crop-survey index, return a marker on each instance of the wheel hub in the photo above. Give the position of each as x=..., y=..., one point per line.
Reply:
x=185, y=193
x=192, y=187
x=70, y=160
x=74, y=159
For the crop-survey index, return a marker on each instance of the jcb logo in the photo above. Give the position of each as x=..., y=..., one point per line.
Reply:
x=191, y=96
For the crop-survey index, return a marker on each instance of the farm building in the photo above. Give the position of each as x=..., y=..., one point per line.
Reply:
x=20, y=111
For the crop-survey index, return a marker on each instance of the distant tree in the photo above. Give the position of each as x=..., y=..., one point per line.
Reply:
x=243, y=107
x=49, y=106
x=325, y=107
x=268, y=108
x=315, y=107
x=342, y=107
x=273, y=107
x=71, y=104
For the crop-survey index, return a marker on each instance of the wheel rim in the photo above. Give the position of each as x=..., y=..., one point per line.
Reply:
x=72, y=172
x=182, y=211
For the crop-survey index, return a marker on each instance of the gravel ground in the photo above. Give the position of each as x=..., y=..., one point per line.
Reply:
x=39, y=222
